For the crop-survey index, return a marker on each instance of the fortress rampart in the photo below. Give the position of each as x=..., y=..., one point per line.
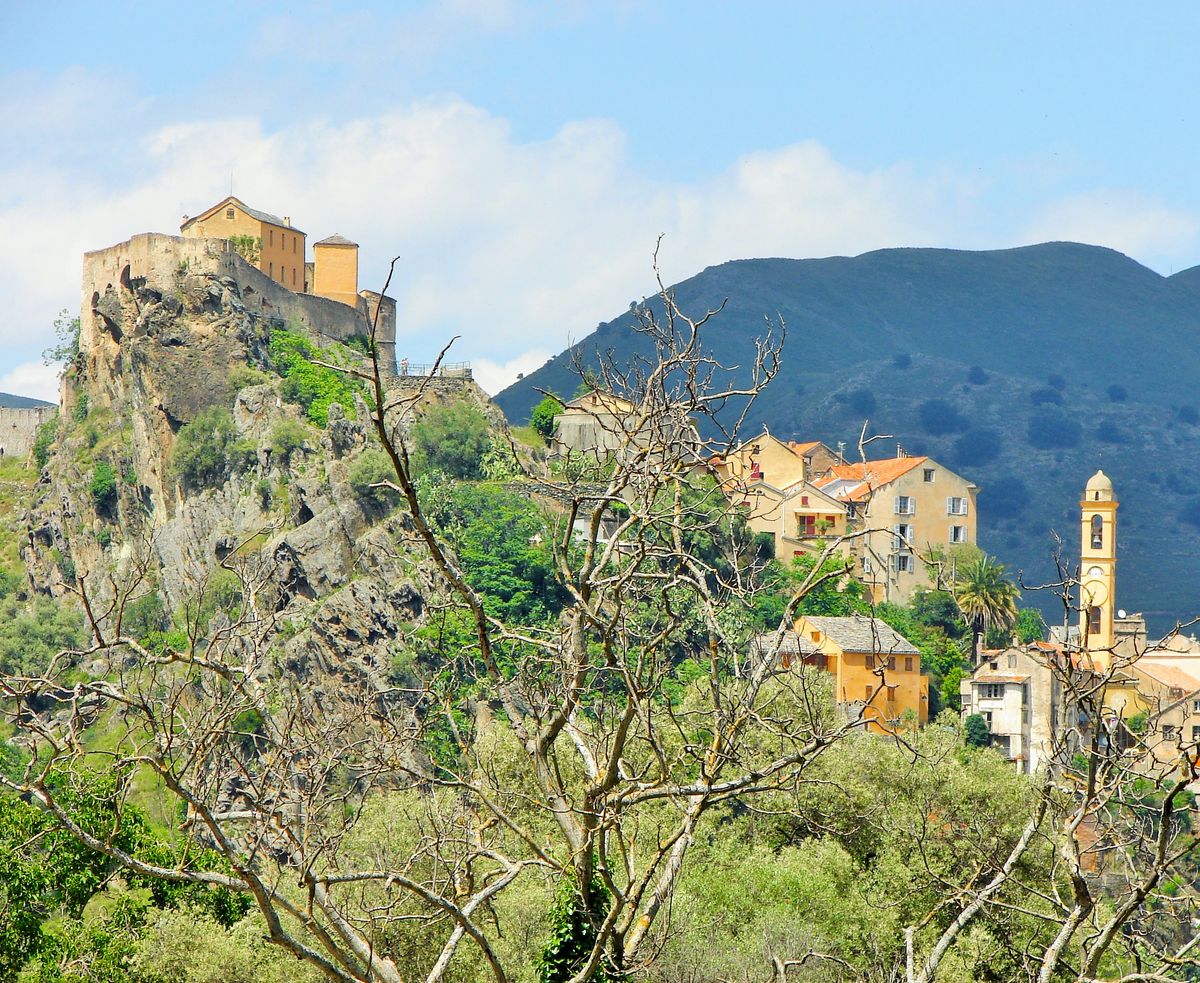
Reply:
x=18, y=428
x=161, y=260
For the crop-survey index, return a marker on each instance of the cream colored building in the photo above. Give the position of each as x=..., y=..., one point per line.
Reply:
x=907, y=511
x=595, y=424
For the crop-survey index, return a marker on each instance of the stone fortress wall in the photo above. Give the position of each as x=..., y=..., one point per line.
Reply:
x=158, y=259
x=19, y=427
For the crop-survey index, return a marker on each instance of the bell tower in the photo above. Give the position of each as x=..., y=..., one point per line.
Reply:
x=1098, y=569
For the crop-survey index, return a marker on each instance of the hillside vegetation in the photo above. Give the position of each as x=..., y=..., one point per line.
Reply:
x=1025, y=369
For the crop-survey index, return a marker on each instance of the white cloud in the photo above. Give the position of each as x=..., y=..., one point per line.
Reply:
x=32, y=379
x=519, y=246
x=494, y=376
x=1131, y=223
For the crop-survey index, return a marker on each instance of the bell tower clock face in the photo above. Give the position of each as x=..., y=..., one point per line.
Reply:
x=1095, y=591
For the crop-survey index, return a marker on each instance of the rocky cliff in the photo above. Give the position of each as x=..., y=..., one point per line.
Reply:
x=172, y=340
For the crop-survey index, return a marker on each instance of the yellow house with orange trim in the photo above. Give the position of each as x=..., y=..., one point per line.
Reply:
x=876, y=671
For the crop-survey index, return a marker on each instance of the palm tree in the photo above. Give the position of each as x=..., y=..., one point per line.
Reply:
x=986, y=598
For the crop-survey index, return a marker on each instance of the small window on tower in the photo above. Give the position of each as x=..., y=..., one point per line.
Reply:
x=1097, y=532
x=1094, y=620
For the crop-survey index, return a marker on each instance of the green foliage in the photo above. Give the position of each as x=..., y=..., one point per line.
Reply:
x=572, y=932
x=542, y=417
x=143, y=616
x=79, y=411
x=32, y=632
x=241, y=376
x=500, y=463
x=1030, y=626
x=977, y=447
x=975, y=731
x=369, y=468
x=43, y=440
x=940, y=416
x=287, y=437
x=503, y=546
x=313, y=387
x=1007, y=497
x=1052, y=429
x=103, y=487
x=453, y=438
x=248, y=247
x=1137, y=723
x=951, y=697
x=66, y=330
x=836, y=594
x=204, y=452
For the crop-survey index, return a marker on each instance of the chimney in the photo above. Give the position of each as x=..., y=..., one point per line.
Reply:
x=287, y=220
x=185, y=218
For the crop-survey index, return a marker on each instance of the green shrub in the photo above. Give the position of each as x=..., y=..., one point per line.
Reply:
x=287, y=437
x=201, y=458
x=453, y=439
x=1051, y=429
x=373, y=466
x=103, y=487
x=80, y=411
x=976, y=376
x=542, y=417
x=976, y=731
x=314, y=387
x=45, y=437
x=242, y=376
x=939, y=416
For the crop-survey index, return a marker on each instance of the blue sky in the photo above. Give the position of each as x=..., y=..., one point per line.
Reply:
x=521, y=158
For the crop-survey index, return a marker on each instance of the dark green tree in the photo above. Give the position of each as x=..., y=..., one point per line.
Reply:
x=976, y=732
x=452, y=438
x=542, y=418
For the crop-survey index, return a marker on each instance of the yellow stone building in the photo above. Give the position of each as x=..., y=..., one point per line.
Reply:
x=906, y=511
x=876, y=671
x=335, y=269
x=279, y=247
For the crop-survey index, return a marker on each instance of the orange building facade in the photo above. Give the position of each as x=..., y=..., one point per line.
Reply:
x=272, y=245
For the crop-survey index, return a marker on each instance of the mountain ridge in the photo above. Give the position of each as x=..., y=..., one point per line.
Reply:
x=1085, y=350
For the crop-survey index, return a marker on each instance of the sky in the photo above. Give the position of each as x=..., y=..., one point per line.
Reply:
x=521, y=159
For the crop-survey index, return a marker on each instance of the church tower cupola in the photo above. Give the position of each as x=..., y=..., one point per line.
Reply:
x=1098, y=569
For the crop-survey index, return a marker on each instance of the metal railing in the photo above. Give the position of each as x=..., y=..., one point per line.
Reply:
x=446, y=370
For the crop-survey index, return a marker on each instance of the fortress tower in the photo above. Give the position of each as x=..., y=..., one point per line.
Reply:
x=1098, y=569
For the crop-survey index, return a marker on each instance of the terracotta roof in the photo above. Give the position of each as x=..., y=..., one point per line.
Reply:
x=1168, y=674
x=1000, y=677
x=803, y=448
x=859, y=633
x=871, y=474
x=335, y=240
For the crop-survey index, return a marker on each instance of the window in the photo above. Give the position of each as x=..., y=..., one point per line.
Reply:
x=958, y=534
x=1168, y=732
x=1097, y=532
x=987, y=715
x=293, y=276
x=869, y=568
x=869, y=690
x=806, y=525
x=908, y=663
x=891, y=694
x=903, y=537
x=271, y=269
x=803, y=499
x=1094, y=620
x=272, y=240
x=1012, y=660
x=956, y=506
x=294, y=240
x=229, y=214
x=1195, y=706
x=905, y=505
x=903, y=562
x=929, y=475
x=991, y=691
x=1195, y=733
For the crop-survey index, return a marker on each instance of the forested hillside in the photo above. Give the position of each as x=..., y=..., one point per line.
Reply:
x=1025, y=369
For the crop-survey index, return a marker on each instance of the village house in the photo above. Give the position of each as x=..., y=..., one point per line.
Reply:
x=876, y=671
x=598, y=424
x=908, y=510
